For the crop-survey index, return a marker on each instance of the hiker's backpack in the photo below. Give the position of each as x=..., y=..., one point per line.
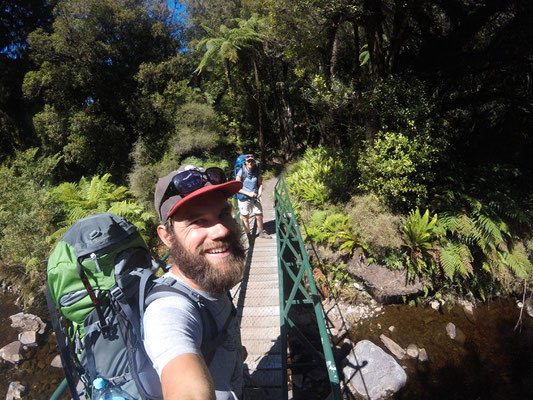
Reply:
x=100, y=280
x=239, y=166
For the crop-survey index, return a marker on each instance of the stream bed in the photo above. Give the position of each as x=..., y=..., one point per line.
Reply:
x=35, y=373
x=487, y=360
x=490, y=360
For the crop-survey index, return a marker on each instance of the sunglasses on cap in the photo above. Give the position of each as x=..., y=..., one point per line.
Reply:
x=187, y=182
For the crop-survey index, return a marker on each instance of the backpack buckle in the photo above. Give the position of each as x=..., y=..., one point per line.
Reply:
x=116, y=293
x=103, y=327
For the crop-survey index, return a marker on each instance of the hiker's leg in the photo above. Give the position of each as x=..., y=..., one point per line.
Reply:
x=259, y=219
x=258, y=212
x=244, y=209
x=246, y=223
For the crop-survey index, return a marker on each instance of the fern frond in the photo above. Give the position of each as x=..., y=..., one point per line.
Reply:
x=489, y=229
x=455, y=258
x=518, y=263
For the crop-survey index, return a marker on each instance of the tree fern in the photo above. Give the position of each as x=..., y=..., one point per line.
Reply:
x=518, y=262
x=490, y=243
x=96, y=195
x=455, y=258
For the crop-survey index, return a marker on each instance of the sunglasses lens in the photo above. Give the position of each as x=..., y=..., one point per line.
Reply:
x=187, y=182
x=215, y=175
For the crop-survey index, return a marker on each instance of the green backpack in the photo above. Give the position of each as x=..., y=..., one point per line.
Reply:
x=100, y=281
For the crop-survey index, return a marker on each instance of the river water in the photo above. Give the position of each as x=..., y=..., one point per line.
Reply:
x=490, y=361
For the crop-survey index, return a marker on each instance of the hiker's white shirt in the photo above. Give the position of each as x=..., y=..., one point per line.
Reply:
x=173, y=326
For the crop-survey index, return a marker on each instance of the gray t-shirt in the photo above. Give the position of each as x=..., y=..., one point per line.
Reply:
x=173, y=326
x=250, y=180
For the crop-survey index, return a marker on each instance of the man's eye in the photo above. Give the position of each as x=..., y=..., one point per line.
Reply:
x=225, y=213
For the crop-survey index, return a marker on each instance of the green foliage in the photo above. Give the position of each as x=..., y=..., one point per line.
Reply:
x=402, y=105
x=482, y=240
x=397, y=169
x=197, y=130
x=456, y=260
x=96, y=195
x=420, y=234
x=85, y=79
x=317, y=177
x=334, y=229
x=225, y=44
x=341, y=280
x=378, y=227
x=26, y=218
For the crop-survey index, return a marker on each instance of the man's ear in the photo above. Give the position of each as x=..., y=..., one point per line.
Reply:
x=165, y=237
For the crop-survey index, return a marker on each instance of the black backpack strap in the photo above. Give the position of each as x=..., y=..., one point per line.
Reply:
x=64, y=352
x=210, y=346
x=90, y=292
x=146, y=277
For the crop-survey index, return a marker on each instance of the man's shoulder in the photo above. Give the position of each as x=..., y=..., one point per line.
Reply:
x=171, y=304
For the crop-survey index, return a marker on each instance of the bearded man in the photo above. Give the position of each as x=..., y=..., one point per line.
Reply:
x=198, y=228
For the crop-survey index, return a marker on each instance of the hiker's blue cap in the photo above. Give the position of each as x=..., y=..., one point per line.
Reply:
x=171, y=204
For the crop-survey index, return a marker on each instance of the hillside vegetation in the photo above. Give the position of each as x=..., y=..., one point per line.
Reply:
x=406, y=126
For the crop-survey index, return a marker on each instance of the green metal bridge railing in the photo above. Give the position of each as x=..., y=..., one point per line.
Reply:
x=293, y=264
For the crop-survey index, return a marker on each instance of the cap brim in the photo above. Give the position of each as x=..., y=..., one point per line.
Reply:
x=228, y=188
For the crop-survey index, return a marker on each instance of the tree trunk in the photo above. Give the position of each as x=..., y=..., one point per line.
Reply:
x=374, y=36
x=357, y=48
x=334, y=55
x=259, y=100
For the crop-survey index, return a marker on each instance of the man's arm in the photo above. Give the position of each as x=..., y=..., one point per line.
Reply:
x=259, y=186
x=186, y=377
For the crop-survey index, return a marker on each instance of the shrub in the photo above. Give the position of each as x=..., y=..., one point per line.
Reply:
x=377, y=226
x=397, y=169
x=197, y=130
x=420, y=236
x=482, y=243
x=26, y=219
x=317, y=177
x=334, y=229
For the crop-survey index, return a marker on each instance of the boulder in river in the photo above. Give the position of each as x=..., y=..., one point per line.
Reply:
x=16, y=391
x=12, y=352
x=451, y=330
x=56, y=362
x=372, y=373
x=28, y=338
x=393, y=347
x=412, y=350
x=28, y=322
x=423, y=355
x=529, y=306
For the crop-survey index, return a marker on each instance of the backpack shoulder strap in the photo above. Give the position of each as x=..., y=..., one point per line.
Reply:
x=211, y=337
x=64, y=351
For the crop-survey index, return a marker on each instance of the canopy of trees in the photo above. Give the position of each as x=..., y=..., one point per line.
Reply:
x=427, y=103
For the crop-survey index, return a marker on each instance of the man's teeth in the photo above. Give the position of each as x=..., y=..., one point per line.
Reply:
x=215, y=251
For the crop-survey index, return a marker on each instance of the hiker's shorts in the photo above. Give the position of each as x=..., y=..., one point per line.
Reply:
x=250, y=206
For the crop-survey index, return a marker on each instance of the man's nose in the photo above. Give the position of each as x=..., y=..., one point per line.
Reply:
x=219, y=230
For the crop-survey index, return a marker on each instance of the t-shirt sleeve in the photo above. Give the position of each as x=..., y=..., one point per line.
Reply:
x=239, y=172
x=172, y=327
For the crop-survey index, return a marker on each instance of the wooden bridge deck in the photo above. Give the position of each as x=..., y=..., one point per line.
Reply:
x=257, y=302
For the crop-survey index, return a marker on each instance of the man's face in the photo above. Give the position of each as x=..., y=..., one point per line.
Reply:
x=205, y=246
x=250, y=163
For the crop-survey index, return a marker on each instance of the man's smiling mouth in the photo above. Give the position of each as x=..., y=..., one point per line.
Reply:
x=218, y=250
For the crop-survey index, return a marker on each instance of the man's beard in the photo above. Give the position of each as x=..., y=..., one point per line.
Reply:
x=211, y=278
